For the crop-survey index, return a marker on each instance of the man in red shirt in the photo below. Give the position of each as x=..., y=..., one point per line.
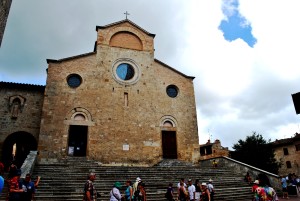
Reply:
x=14, y=189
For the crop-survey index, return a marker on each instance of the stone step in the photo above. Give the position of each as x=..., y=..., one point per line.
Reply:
x=64, y=180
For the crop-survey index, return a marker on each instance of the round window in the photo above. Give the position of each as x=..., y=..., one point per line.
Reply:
x=74, y=80
x=172, y=91
x=125, y=71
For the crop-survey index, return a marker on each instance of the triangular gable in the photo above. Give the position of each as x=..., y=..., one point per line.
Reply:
x=124, y=21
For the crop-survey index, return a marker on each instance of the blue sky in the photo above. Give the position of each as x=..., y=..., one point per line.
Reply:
x=235, y=25
x=244, y=54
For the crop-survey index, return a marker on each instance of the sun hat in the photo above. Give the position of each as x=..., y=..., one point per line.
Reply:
x=138, y=179
x=256, y=182
x=118, y=185
x=203, y=184
x=210, y=180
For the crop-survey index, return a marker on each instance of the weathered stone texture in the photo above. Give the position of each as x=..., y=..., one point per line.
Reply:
x=29, y=116
x=4, y=11
x=101, y=98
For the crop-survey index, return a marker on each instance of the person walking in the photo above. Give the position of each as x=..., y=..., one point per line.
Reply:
x=136, y=189
x=285, y=193
x=170, y=192
x=211, y=189
x=205, y=196
x=90, y=192
x=14, y=187
x=191, y=190
x=28, y=187
x=142, y=195
x=264, y=192
x=198, y=190
x=182, y=192
x=115, y=194
x=128, y=191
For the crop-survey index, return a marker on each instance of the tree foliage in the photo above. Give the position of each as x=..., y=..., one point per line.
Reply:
x=257, y=152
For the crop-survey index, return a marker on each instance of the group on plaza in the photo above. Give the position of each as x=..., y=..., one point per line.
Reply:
x=291, y=180
x=18, y=189
x=262, y=189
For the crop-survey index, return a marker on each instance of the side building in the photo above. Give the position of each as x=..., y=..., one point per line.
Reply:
x=212, y=149
x=20, y=111
x=287, y=152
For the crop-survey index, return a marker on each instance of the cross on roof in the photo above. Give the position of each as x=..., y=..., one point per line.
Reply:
x=126, y=14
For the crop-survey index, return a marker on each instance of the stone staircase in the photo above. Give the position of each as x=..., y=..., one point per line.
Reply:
x=65, y=180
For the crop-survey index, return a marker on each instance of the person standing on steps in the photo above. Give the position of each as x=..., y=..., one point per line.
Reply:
x=136, y=189
x=191, y=190
x=128, y=191
x=90, y=193
x=28, y=187
x=115, y=194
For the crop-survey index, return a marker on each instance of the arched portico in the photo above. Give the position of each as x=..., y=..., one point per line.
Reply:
x=17, y=146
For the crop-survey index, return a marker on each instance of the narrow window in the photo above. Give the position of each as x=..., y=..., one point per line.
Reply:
x=126, y=99
x=297, y=147
x=285, y=151
x=288, y=164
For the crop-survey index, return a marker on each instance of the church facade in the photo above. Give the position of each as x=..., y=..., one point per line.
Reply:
x=117, y=104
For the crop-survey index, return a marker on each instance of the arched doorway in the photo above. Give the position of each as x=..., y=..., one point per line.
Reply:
x=17, y=146
x=169, y=138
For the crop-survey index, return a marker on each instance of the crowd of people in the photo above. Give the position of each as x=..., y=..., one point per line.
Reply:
x=133, y=192
x=192, y=191
x=136, y=191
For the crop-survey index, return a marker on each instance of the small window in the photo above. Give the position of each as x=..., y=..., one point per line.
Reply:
x=288, y=164
x=297, y=147
x=172, y=91
x=74, y=80
x=285, y=151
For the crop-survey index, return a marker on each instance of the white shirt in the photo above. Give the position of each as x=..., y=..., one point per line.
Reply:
x=210, y=187
x=115, y=194
x=191, y=190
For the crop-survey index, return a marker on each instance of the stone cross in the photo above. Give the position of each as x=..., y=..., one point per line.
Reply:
x=126, y=14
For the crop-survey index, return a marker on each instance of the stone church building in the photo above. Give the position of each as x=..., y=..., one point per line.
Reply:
x=117, y=105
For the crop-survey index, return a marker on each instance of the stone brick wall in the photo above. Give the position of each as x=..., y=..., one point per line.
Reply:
x=29, y=115
x=4, y=11
x=293, y=157
x=113, y=125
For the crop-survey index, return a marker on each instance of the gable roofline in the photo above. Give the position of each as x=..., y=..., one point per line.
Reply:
x=123, y=21
x=69, y=58
x=167, y=66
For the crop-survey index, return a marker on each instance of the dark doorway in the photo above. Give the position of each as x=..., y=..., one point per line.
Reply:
x=77, y=140
x=23, y=142
x=169, y=144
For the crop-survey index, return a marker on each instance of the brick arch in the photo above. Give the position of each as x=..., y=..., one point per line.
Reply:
x=86, y=117
x=166, y=119
x=25, y=142
x=130, y=30
x=126, y=39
